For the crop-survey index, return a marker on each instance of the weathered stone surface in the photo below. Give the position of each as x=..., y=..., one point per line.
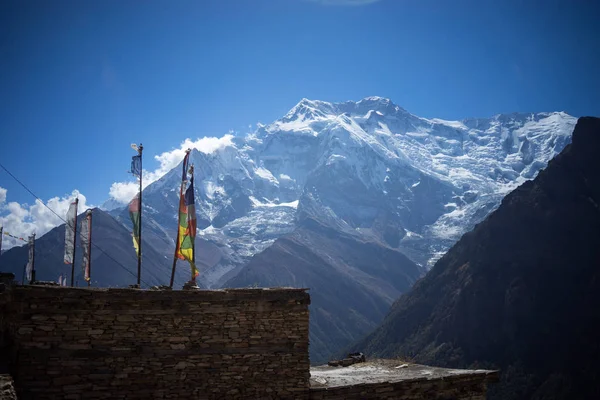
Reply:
x=225, y=344
x=105, y=343
x=390, y=379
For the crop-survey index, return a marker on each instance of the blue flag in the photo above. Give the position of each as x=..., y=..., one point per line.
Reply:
x=136, y=165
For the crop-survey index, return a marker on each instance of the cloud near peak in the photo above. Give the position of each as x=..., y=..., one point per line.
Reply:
x=123, y=192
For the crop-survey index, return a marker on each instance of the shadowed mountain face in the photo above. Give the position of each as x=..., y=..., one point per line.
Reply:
x=521, y=292
x=110, y=236
x=352, y=282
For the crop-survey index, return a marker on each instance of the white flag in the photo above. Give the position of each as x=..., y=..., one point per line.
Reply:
x=86, y=237
x=70, y=228
x=29, y=268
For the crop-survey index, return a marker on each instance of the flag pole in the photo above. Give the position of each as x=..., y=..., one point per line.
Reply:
x=89, y=252
x=178, y=218
x=74, y=242
x=139, y=264
x=33, y=261
x=174, y=260
x=193, y=240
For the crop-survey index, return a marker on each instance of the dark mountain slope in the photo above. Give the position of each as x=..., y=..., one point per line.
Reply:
x=521, y=292
x=352, y=282
x=110, y=236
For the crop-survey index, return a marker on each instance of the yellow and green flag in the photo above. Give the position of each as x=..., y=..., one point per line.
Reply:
x=187, y=221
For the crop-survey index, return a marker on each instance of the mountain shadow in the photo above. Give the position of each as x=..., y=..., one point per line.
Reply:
x=352, y=282
x=521, y=292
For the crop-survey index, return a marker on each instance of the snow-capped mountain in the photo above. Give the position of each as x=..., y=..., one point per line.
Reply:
x=367, y=167
x=336, y=196
x=111, y=204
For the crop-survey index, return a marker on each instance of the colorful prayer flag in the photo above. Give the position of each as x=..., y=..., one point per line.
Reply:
x=14, y=237
x=187, y=228
x=187, y=220
x=134, y=215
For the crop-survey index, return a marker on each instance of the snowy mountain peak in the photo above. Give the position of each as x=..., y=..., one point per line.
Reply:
x=367, y=167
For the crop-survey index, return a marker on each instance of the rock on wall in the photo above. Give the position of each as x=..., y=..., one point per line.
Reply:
x=114, y=343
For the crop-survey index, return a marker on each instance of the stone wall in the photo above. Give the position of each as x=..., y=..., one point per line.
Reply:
x=121, y=343
x=460, y=387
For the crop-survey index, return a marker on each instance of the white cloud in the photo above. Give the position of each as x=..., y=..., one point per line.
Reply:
x=123, y=192
x=344, y=2
x=22, y=219
x=2, y=196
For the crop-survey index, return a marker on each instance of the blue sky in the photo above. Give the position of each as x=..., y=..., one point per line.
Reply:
x=81, y=80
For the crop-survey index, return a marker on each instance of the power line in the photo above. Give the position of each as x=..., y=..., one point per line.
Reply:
x=67, y=225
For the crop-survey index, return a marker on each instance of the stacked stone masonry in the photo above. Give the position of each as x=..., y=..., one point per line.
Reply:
x=71, y=343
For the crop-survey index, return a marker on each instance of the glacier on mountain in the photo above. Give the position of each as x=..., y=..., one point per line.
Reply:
x=369, y=168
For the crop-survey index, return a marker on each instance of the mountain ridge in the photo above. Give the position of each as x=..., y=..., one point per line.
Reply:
x=269, y=167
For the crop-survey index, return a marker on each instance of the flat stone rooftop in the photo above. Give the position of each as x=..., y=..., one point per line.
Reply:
x=377, y=371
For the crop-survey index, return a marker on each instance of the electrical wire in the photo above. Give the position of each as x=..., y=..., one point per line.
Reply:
x=66, y=225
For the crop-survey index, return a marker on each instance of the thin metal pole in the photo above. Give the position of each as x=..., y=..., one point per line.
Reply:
x=74, y=242
x=139, y=274
x=33, y=261
x=89, y=252
x=176, y=241
x=193, y=236
x=174, y=261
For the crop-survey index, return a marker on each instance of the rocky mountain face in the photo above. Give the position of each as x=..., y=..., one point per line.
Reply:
x=367, y=167
x=368, y=171
x=352, y=281
x=521, y=292
x=116, y=267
